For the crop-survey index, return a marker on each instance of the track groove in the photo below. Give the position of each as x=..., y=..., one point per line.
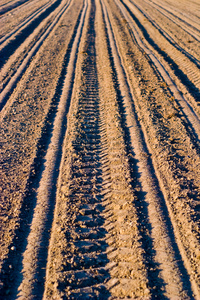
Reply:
x=172, y=203
x=89, y=199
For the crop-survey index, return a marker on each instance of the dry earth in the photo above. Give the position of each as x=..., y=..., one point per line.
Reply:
x=100, y=149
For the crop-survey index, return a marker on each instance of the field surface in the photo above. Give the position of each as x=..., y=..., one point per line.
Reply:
x=100, y=149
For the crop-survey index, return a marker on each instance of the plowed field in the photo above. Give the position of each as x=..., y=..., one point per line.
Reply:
x=100, y=149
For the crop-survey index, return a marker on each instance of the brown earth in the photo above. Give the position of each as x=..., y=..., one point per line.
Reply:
x=100, y=152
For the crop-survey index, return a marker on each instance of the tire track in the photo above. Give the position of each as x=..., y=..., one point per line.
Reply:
x=12, y=81
x=179, y=234
x=84, y=256
x=91, y=248
x=76, y=270
x=99, y=220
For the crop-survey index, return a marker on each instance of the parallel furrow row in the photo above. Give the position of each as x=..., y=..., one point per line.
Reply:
x=180, y=233
x=186, y=107
x=174, y=60
x=191, y=28
x=18, y=52
x=189, y=18
x=32, y=283
x=10, y=6
x=43, y=180
x=168, y=34
x=84, y=257
x=157, y=211
x=12, y=33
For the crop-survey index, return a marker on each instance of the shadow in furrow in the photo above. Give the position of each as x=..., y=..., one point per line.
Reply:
x=9, y=49
x=8, y=8
x=11, y=277
x=156, y=283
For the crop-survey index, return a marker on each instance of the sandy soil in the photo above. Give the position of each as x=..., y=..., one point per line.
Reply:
x=100, y=152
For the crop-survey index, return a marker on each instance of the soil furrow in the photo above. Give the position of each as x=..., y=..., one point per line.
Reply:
x=180, y=15
x=9, y=49
x=187, y=109
x=8, y=7
x=10, y=35
x=190, y=28
x=11, y=21
x=176, y=63
x=184, y=66
x=36, y=165
x=151, y=118
x=166, y=253
x=168, y=36
x=5, y=2
x=19, y=69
